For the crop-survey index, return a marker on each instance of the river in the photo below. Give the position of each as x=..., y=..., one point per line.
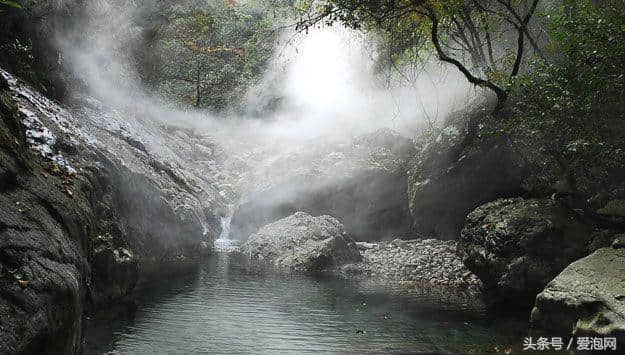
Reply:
x=225, y=308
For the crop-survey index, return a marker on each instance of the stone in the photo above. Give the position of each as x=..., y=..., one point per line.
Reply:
x=614, y=208
x=457, y=172
x=586, y=299
x=516, y=246
x=366, y=245
x=303, y=243
x=619, y=241
x=400, y=243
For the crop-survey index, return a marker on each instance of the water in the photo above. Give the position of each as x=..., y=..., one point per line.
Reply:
x=225, y=308
x=224, y=243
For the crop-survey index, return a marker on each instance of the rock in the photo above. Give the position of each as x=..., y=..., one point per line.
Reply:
x=303, y=243
x=586, y=299
x=614, y=208
x=400, y=243
x=86, y=215
x=351, y=270
x=366, y=245
x=516, y=246
x=362, y=184
x=619, y=242
x=612, y=214
x=601, y=238
x=456, y=173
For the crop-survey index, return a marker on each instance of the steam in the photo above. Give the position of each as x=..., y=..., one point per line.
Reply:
x=326, y=83
x=325, y=80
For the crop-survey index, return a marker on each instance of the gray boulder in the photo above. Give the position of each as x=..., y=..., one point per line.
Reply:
x=304, y=243
x=516, y=246
x=458, y=171
x=586, y=299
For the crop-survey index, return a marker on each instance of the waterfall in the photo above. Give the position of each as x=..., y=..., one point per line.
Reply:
x=225, y=227
x=224, y=243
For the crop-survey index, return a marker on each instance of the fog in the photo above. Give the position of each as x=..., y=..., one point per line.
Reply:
x=326, y=80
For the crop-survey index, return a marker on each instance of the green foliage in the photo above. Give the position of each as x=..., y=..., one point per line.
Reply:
x=10, y=3
x=484, y=40
x=209, y=55
x=573, y=108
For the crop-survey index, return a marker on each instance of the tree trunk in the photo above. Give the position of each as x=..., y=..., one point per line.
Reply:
x=502, y=95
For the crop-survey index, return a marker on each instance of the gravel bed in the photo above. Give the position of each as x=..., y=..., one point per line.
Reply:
x=416, y=262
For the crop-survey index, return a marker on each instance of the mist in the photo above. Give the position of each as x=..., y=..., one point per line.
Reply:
x=325, y=79
x=328, y=88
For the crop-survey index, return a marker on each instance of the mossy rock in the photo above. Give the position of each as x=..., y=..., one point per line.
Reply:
x=7, y=105
x=613, y=208
x=7, y=140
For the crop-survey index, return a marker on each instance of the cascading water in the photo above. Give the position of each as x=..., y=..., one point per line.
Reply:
x=224, y=243
x=225, y=227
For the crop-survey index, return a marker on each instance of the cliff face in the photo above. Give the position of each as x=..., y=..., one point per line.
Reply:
x=91, y=207
x=361, y=182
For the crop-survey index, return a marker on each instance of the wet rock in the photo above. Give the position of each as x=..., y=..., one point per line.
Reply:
x=457, y=172
x=303, y=243
x=362, y=183
x=84, y=216
x=586, y=299
x=516, y=246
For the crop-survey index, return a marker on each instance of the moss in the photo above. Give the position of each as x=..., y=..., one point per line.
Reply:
x=7, y=140
x=7, y=105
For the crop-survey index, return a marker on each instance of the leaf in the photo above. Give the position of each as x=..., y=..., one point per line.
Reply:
x=11, y=3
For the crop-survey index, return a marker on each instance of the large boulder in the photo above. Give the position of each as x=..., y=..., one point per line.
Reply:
x=304, y=243
x=516, y=246
x=362, y=183
x=458, y=171
x=586, y=299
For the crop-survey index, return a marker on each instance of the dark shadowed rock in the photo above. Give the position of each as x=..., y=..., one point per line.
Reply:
x=363, y=184
x=86, y=216
x=612, y=213
x=304, y=243
x=586, y=299
x=516, y=246
x=457, y=172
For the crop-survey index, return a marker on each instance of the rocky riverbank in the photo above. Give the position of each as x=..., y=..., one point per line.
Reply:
x=415, y=262
x=313, y=245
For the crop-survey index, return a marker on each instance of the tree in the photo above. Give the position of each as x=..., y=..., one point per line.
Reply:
x=463, y=33
x=207, y=55
x=571, y=109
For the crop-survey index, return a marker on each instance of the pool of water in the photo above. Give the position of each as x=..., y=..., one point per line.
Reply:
x=223, y=308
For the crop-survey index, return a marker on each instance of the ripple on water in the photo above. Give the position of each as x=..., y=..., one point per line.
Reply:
x=224, y=309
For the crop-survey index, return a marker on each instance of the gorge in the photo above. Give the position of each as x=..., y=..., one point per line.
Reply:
x=324, y=206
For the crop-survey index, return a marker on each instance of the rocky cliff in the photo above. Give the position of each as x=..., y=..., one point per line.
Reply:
x=92, y=207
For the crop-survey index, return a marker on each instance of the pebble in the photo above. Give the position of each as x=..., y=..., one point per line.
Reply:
x=427, y=261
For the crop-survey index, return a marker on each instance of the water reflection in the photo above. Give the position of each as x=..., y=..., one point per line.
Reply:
x=225, y=308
